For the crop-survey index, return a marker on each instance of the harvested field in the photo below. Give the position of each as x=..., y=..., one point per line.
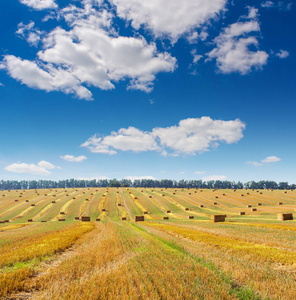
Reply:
x=147, y=246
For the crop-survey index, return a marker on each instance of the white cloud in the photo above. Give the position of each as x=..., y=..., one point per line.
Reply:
x=254, y=163
x=90, y=53
x=283, y=54
x=40, y=4
x=133, y=178
x=281, y=5
x=232, y=52
x=271, y=159
x=1, y=84
x=130, y=139
x=40, y=168
x=170, y=18
x=267, y=4
x=31, y=34
x=214, y=177
x=72, y=158
x=199, y=172
x=188, y=137
x=268, y=159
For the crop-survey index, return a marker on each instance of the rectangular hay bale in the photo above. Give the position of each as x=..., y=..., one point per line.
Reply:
x=85, y=219
x=139, y=218
x=218, y=218
x=285, y=217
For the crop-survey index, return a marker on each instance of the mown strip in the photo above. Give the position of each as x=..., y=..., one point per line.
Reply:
x=265, y=252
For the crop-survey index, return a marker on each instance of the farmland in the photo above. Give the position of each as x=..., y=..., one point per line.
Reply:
x=177, y=252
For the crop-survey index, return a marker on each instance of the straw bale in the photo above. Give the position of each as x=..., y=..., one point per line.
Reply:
x=285, y=217
x=191, y=217
x=139, y=218
x=242, y=213
x=85, y=219
x=218, y=218
x=165, y=218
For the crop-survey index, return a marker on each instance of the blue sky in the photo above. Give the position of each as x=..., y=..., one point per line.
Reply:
x=189, y=89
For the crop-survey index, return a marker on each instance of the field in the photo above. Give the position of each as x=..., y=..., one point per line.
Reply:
x=47, y=251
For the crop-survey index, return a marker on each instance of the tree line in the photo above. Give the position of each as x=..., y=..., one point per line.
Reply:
x=149, y=183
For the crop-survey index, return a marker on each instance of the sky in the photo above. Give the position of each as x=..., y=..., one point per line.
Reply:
x=175, y=89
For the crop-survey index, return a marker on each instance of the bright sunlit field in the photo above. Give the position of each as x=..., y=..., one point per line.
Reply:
x=48, y=251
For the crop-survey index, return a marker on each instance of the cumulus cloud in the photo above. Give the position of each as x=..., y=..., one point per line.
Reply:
x=199, y=172
x=267, y=4
x=233, y=53
x=214, y=177
x=169, y=18
x=279, y=5
x=31, y=34
x=133, y=178
x=268, y=159
x=41, y=168
x=188, y=137
x=254, y=163
x=283, y=54
x=90, y=53
x=72, y=158
x=40, y=4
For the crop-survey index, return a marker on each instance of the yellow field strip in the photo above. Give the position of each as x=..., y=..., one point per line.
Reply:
x=270, y=226
x=23, y=213
x=265, y=252
x=12, y=208
x=140, y=206
x=13, y=226
x=63, y=210
x=42, y=212
x=121, y=208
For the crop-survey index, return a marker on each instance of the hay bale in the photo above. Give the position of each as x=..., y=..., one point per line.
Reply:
x=98, y=219
x=73, y=198
x=253, y=209
x=30, y=220
x=186, y=208
x=136, y=198
x=85, y=219
x=86, y=199
x=191, y=217
x=150, y=196
x=33, y=204
x=249, y=205
x=62, y=212
x=43, y=221
x=285, y=217
x=242, y=195
x=285, y=192
x=165, y=218
x=103, y=209
x=62, y=220
x=260, y=193
x=174, y=193
x=45, y=194
x=218, y=218
x=119, y=204
x=145, y=212
x=168, y=211
x=280, y=203
x=189, y=193
x=242, y=213
x=215, y=203
x=224, y=195
x=54, y=195
x=139, y=218
x=1, y=222
x=15, y=200
x=77, y=218
x=201, y=205
x=27, y=201
x=67, y=195
x=6, y=221
x=123, y=218
x=53, y=201
x=216, y=197
x=259, y=204
x=20, y=196
x=248, y=193
x=163, y=195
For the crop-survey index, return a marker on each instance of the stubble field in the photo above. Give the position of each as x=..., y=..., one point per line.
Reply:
x=47, y=252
